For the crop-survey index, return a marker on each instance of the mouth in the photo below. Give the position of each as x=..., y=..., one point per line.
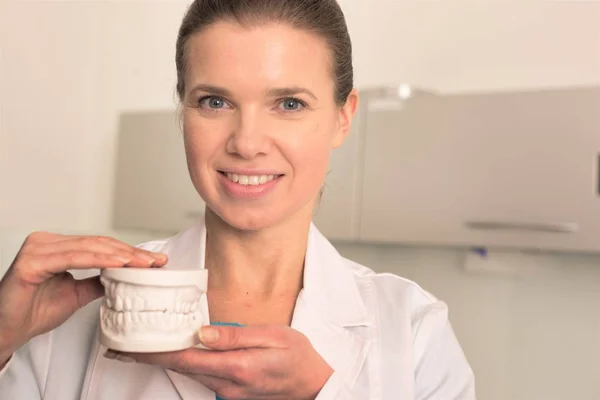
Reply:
x=250, y=180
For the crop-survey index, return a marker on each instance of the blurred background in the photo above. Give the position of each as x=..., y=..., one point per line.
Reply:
x=472, y=168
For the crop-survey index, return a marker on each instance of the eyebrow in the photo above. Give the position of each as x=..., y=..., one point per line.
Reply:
x=291, y=91
x=212, y=89
x=275, y=92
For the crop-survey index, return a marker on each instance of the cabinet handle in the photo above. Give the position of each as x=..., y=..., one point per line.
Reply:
x=559, y=227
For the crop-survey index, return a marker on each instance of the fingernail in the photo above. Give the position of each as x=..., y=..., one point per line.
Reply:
x=208, y=335
x=160, y=256
x=147, y=257
x=112, y=355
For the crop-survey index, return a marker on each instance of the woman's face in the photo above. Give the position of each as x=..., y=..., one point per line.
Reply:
x=260, y=121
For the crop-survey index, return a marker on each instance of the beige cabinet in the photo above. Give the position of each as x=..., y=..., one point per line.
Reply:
x=514, y=169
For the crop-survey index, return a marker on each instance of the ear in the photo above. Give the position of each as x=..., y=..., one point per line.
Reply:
x=346, y=113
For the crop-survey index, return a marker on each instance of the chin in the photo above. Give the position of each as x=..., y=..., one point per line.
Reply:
x=249, y=224
x=247, y=220
x=250, y=219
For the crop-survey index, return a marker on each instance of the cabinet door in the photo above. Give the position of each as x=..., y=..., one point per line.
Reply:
x=154, y=190
x=502, y=169
x=337, y=213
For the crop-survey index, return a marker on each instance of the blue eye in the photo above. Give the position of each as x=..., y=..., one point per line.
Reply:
x=212, y=102
x=292, y=104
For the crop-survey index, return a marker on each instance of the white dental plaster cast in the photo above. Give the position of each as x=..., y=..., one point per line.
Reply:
x=151, y=310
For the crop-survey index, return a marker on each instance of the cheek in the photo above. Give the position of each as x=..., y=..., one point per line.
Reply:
x=202, y=139
x=312, y=150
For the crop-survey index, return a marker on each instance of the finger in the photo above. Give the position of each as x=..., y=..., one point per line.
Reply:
x=132, y=249
x=224, y=365
x=137, y=256
x=88, y=290
x=57, y=263
x=185, y=361
x=255, y=336
x=46, y=237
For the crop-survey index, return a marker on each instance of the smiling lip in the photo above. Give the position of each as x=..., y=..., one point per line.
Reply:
x=248, y=184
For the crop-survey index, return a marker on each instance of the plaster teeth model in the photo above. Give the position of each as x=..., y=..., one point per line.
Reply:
x=151, y=310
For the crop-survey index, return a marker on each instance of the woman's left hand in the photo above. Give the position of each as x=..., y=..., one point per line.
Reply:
x=253, y=362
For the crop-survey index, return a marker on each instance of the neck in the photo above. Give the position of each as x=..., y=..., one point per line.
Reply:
x=263, y=264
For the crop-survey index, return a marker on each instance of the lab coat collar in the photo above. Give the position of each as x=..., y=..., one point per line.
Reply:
x=329, y=310
x=329, y=286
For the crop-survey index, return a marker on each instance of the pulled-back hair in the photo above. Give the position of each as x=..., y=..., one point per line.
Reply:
x=322, y=17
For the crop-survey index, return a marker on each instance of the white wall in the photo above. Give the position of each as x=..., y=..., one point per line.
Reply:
x=63, y=86
x=67, y=69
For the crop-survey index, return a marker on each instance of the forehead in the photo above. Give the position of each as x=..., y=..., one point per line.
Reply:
x=272, y=54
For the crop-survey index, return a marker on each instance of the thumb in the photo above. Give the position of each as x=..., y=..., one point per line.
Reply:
x=241, y=337
x=88, y=289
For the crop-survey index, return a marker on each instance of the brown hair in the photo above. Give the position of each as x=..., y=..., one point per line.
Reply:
x=322, y=17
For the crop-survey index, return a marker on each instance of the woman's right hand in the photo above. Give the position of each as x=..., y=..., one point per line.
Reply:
x=37, y=294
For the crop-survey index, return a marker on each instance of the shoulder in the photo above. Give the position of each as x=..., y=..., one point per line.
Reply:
x=184, y=240
x=403, y=309
x=154, y=245
x=394, y=293
x=410, y=320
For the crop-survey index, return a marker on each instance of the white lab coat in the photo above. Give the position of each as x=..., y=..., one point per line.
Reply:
x=384, y=336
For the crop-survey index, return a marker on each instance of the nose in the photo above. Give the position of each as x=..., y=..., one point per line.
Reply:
x=249, y=137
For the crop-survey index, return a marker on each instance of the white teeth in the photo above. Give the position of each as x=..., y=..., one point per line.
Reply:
x=139, y=303
x=112, y=290
x=131, y=322
x=128, y=305
x=129, y=308
x=128, y=319
x=251, y=180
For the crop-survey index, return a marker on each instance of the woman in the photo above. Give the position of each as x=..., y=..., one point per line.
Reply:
x=266, y=89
